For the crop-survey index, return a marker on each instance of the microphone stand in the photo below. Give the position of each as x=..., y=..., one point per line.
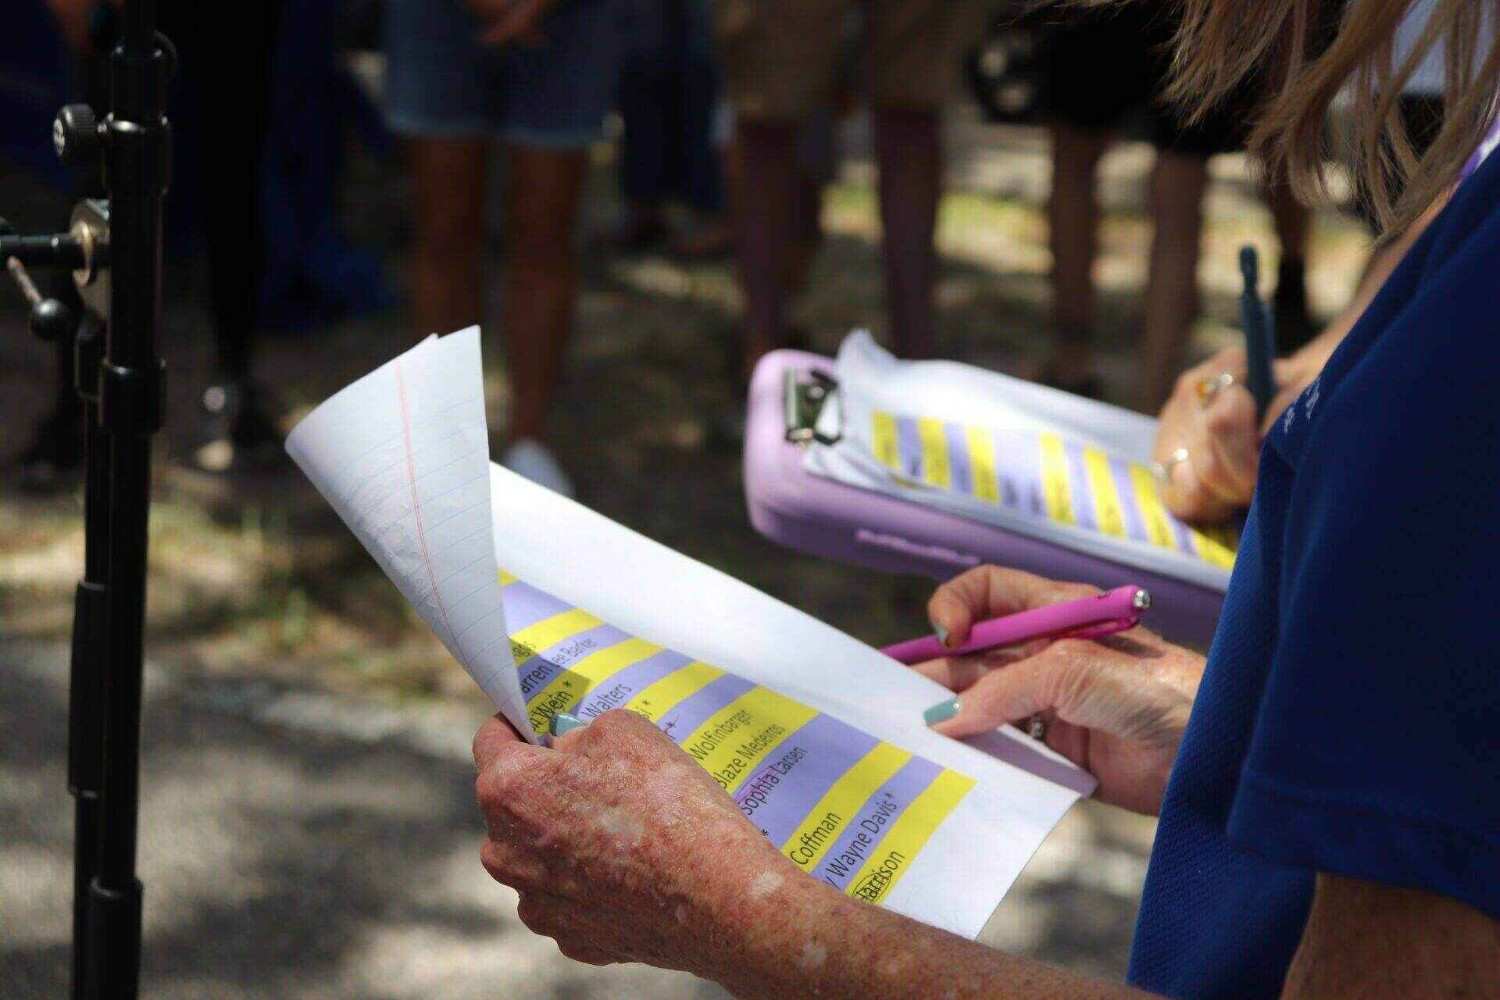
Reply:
x=120, y=378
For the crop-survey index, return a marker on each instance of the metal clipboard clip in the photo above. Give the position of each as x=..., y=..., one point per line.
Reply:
x=813, y=414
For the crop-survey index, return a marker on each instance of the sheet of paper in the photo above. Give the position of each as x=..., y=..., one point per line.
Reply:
x=817, y=736
x=1026, y=458
x=403, y=456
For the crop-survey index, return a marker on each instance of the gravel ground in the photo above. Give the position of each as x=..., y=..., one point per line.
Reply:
x=296, y=843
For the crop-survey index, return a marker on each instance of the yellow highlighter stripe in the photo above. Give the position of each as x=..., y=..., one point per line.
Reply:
x=908, y=835
x=666, y=694
x=827, y=820
x=550, y=631
x=1056, y=492
x=1108, y=512
x=935, y=470
x=506, y=579
x=1148, y=500
x=579, y=677
x=982, y=464
x=1215, y=546
x=887, y=446
x=742, y=733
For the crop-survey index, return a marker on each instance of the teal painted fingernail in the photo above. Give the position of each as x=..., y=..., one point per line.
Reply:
x=941, y=712
x=563, y=722
x=940, y=632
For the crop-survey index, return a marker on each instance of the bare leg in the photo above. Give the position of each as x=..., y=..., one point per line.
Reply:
x=1293, y=220
x=448, y=184
x=809, y=229
x=1177, y=185
x=1294, y=324
x=908, y=152
x=540, y=277
x=765, y=190
x=1073, y=230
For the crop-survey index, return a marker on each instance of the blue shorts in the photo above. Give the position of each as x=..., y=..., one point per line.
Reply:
x=441, y=82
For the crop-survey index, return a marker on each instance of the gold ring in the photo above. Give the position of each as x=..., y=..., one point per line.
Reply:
x=1163, y=470
x=1208, y=388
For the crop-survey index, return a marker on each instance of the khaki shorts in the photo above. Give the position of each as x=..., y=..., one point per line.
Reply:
x=781, y=58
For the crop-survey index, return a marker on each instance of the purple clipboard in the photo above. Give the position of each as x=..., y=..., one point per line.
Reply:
x=827, y=518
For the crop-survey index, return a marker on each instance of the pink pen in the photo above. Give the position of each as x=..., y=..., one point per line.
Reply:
x=1089, y=618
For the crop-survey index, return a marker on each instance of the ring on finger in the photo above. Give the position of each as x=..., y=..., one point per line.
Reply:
x=1036, y=728
x=1208, y=388
x=1163, y=470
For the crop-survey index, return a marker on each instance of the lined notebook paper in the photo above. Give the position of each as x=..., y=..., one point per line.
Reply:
x=403, y=456
x=816, y=736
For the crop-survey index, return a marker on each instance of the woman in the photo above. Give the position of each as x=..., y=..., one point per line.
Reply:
x=1328, y=782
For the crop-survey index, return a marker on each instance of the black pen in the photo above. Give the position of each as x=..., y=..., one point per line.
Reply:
x=1260, y=333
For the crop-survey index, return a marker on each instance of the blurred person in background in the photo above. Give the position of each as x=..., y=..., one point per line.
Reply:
x=781, y=65
x=219, y=110
x=1102, y=65
x=669, y=106
x=538, y=76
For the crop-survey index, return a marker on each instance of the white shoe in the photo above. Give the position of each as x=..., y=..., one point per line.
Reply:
x=533, y=460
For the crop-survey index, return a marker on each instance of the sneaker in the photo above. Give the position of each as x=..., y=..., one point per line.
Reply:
x=530, y=459
x=237, y=428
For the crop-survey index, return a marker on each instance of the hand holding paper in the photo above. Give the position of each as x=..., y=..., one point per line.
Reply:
x=816, y=738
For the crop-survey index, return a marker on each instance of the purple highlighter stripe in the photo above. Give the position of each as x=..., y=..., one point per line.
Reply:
x=636, y=677
x=1184, y=536
x=697, y=708
x=1022, y=453
x=1078, y=486
x=525, y=605
x=832, y=748
x=910, y=444
x=1007, y=472
x=1135, y=524
x=896, y=794
x=539, y=670
x=960, y=478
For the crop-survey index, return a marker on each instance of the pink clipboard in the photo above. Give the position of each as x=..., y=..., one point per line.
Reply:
x=831, y=519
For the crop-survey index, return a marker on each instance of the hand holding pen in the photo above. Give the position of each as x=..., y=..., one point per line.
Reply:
x=1085, y=618
x=1208, y=442
x=1115, y=706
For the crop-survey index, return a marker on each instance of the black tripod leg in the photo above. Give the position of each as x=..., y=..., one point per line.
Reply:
x=137, y=149
x=86, y=671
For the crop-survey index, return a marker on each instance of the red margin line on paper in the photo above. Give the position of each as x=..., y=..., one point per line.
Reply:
x=416, y=504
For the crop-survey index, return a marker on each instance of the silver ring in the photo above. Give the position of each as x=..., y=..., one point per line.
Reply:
x=1036, y=728
x=1208, y=388
x=1163, y=470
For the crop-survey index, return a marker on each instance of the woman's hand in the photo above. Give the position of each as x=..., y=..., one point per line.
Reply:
x=1208, y=438
x=623, y=849
x=1115, y=706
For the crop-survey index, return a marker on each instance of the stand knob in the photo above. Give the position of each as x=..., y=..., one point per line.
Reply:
x=52, y=321
x=76, y=135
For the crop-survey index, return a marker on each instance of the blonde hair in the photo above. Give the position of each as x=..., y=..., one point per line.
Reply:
x=1300, y=54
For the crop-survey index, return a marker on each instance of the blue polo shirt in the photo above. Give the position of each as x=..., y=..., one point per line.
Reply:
x=1349, y=718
